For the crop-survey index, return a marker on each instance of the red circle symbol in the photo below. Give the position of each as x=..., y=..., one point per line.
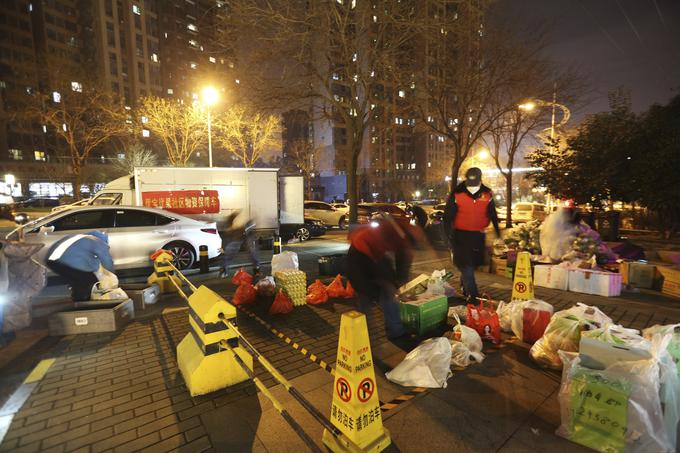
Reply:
x=520, y=287
x=343, y=389
x=365, y=390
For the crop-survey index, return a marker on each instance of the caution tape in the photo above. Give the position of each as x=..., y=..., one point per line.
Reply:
x=295, y=345
x=401, y=399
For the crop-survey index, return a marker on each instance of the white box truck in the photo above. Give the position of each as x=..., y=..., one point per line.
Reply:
x=275, y=202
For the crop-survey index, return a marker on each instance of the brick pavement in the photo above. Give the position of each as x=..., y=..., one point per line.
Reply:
x=123, y=392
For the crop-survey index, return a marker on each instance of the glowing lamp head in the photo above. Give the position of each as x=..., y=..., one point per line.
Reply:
x=210, y=96
x=527, y=106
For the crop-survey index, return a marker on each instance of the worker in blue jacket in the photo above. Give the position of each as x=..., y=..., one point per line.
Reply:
x=77, y=258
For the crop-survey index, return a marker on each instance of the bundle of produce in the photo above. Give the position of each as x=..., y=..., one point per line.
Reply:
x=588, y=243
x=525, y=237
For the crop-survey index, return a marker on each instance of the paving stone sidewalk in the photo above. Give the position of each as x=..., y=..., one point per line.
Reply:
x=123, y=392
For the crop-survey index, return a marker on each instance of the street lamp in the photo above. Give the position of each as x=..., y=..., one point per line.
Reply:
x=483, y=153
x=531, y=106
x=210, y=97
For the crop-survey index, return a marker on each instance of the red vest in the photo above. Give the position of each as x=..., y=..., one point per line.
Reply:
x=472, y=214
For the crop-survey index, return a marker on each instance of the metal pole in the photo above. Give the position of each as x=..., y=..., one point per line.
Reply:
x=552, y=122
x=210, y=139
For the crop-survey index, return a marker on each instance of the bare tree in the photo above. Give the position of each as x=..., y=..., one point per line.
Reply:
x=247, y=135
x=180, y=127
x=82, y=118
x=136, y=155
x=300, y=155
x=328, y=57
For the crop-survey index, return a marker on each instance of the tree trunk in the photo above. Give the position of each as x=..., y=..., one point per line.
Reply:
x=508, y=199
x=77, y=182
x=353, y=187
x=455, y=169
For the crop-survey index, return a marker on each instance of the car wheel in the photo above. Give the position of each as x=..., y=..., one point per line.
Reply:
x=342, y=224
x=303, y=234
x=185, y=257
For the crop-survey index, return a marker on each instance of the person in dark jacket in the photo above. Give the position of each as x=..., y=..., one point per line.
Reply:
x=76, y=258
x=469, y=210
x=378, y=262
x=233, y=238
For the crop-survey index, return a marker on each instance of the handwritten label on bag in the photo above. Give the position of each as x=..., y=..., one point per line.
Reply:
x=599, y=411
x=81, y=321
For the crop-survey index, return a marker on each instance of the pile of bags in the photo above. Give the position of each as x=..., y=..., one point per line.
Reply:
x=526, y=319
x=318, y=293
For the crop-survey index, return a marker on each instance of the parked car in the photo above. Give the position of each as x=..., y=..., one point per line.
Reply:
x=526, y=212
x=64, y=207
x=366, y=211
x=344, y=207
x=134, y=233
x=312, y=228
x=36, y=207
x=326, y=213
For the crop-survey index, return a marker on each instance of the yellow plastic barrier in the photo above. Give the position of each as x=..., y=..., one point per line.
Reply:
x=164, y=272
x=523, y=284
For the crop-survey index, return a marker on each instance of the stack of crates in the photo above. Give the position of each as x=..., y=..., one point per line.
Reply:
x=294, y=283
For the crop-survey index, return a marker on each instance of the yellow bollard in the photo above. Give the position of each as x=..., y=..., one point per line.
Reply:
x=523, y=284
x=355, y=409
x=164, y=272
x=205, y=365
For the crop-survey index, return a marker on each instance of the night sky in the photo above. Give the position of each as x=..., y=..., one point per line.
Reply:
x=630, y=43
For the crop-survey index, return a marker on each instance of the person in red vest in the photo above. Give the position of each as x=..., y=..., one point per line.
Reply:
x=469, y=210
x=378, y=262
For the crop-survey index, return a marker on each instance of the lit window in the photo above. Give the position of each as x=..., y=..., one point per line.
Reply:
x=15, y=154
x=402, y=93
x=429, y=164
x=192, y=27
x=102, y=158
x=354, y=57
x=145, y=120
x=137, y=10
x=335, y=76
x=56, y=96
x=375, y=18
x=77, y=86
x=193, y=65
x=171, y=91
x=193, y=43
x=154, y=57
x=64, y=127
x=145, y=133
x=44, y=128
x=39, y=155
x=165, y=35
x=354, y=4
x=121, y=156
x=238, y=81
x=30, y=7
x=413, y=85
x=212, y=59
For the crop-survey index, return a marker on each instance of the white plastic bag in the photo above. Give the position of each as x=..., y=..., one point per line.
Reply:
x=617, y=408
x=564, y=333
x=466, y=345
x=517, y=319
x=284, y=261
x=506, y=312
x=428, y=365
x=107, y=279
x=98, y=293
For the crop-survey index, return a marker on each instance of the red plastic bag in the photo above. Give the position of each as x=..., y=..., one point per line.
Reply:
x=245, y=294
x=485, y=321
x=534, y=324
x=242, y=277
x=349, y=291
x=282, y=304
x=316, y=293
x=336, y=289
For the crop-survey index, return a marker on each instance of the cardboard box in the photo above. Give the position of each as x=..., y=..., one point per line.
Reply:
x=416, y=286
x=499, y=266
x=142, y=294
x=92, y=317
x=549, y=276
x=671, y=280
x=423, y=315
x=640, y=275
x=600, y=283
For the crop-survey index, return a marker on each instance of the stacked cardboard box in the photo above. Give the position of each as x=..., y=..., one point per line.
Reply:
x=294, y=283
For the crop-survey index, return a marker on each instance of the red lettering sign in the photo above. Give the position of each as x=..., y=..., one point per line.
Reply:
x=183, y=201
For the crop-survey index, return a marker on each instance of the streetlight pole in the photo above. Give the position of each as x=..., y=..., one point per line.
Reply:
x=209, y=141
x=210, y=97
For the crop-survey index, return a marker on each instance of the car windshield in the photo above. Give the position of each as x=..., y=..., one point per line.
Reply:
x=524, y=207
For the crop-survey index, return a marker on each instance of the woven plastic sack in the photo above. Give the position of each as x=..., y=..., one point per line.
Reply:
x=336, y=289
x=316, y=293
x=241, y=277
x=564, y=333
x=282, y=304
x=245, y=294
x=284, y=261
x=349, y=291
x=485, y=321
x=428, y=365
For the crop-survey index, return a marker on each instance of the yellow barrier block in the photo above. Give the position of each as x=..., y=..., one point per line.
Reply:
x=163, y=274
x=355, y=409
x=523, y=284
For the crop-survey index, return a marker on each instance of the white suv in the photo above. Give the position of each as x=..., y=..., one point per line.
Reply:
x=325, y=212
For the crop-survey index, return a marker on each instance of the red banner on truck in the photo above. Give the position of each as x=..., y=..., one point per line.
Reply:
x=183, y=201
